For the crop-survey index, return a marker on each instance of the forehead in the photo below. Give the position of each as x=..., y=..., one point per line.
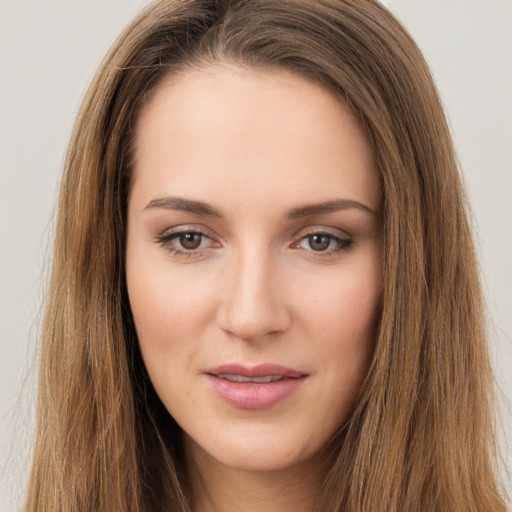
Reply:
x=222, y=129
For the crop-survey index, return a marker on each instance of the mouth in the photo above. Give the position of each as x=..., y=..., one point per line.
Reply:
x=257, y=387
x=242, y=378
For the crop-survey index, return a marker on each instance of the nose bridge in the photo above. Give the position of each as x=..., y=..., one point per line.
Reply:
x=252, y=306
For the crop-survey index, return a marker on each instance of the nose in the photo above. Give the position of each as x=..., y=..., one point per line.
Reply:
x=252, y=307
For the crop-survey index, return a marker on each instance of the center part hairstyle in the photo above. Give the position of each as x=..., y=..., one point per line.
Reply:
x=420, y=437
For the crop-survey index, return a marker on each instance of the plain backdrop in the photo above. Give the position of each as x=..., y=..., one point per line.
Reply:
x=49, y=50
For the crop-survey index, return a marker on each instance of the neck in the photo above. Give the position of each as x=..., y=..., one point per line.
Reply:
x=218, y=488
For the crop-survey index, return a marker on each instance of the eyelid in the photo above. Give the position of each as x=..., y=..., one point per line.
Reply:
x=189, y=228
x=313, y=230
x=341, y=238
x=167, y=237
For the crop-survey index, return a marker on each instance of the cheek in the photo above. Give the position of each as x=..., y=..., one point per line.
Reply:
x=349, y=343
x=343, y=316
x=167, y=307
x=344, y=307
x=165, y=316
x=161, y=298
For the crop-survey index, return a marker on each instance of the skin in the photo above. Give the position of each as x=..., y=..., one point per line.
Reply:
x=258, y=288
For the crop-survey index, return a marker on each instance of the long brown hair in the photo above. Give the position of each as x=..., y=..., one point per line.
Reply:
x=421, y=436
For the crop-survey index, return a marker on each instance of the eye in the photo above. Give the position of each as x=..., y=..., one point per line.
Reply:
x=325, y=243
x=190, y=243
x=319, y=242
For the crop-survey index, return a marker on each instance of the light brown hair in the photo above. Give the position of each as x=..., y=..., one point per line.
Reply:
x=421, y=436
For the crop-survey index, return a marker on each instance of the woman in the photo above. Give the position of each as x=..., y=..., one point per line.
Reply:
x=264, y=294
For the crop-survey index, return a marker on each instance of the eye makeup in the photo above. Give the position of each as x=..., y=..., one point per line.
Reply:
x=193, y=243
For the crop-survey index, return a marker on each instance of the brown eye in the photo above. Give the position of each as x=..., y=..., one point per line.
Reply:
x=324, y=244
x=190, y=241
x=187, y=244
x=319, y=242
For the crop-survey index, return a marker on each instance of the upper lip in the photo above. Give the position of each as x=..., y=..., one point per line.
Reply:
x=261, y=370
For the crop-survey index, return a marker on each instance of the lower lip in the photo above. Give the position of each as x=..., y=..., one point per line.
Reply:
x=252, y=395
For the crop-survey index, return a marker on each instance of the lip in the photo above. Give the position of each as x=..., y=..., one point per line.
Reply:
x=252, y=395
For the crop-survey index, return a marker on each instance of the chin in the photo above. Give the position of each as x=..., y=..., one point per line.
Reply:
x=254, y=453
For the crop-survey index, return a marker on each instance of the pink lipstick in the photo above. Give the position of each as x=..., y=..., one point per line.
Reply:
x=256, y=387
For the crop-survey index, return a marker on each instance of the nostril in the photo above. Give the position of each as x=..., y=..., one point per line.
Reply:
x=251, y=325
x=251, y=306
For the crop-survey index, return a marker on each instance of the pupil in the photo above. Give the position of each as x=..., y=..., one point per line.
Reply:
x=190, y=240
x=319, y=242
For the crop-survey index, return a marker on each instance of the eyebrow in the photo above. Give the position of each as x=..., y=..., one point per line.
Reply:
x=184, y=205
x=327, y=207
x=205, y=210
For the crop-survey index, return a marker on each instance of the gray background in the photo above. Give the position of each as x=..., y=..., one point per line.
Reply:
x=49, y=50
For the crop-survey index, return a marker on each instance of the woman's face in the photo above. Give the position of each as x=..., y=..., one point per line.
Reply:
x=253, y=261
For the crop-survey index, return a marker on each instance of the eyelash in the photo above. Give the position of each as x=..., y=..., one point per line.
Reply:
x=343, y=244
x=166, y=239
